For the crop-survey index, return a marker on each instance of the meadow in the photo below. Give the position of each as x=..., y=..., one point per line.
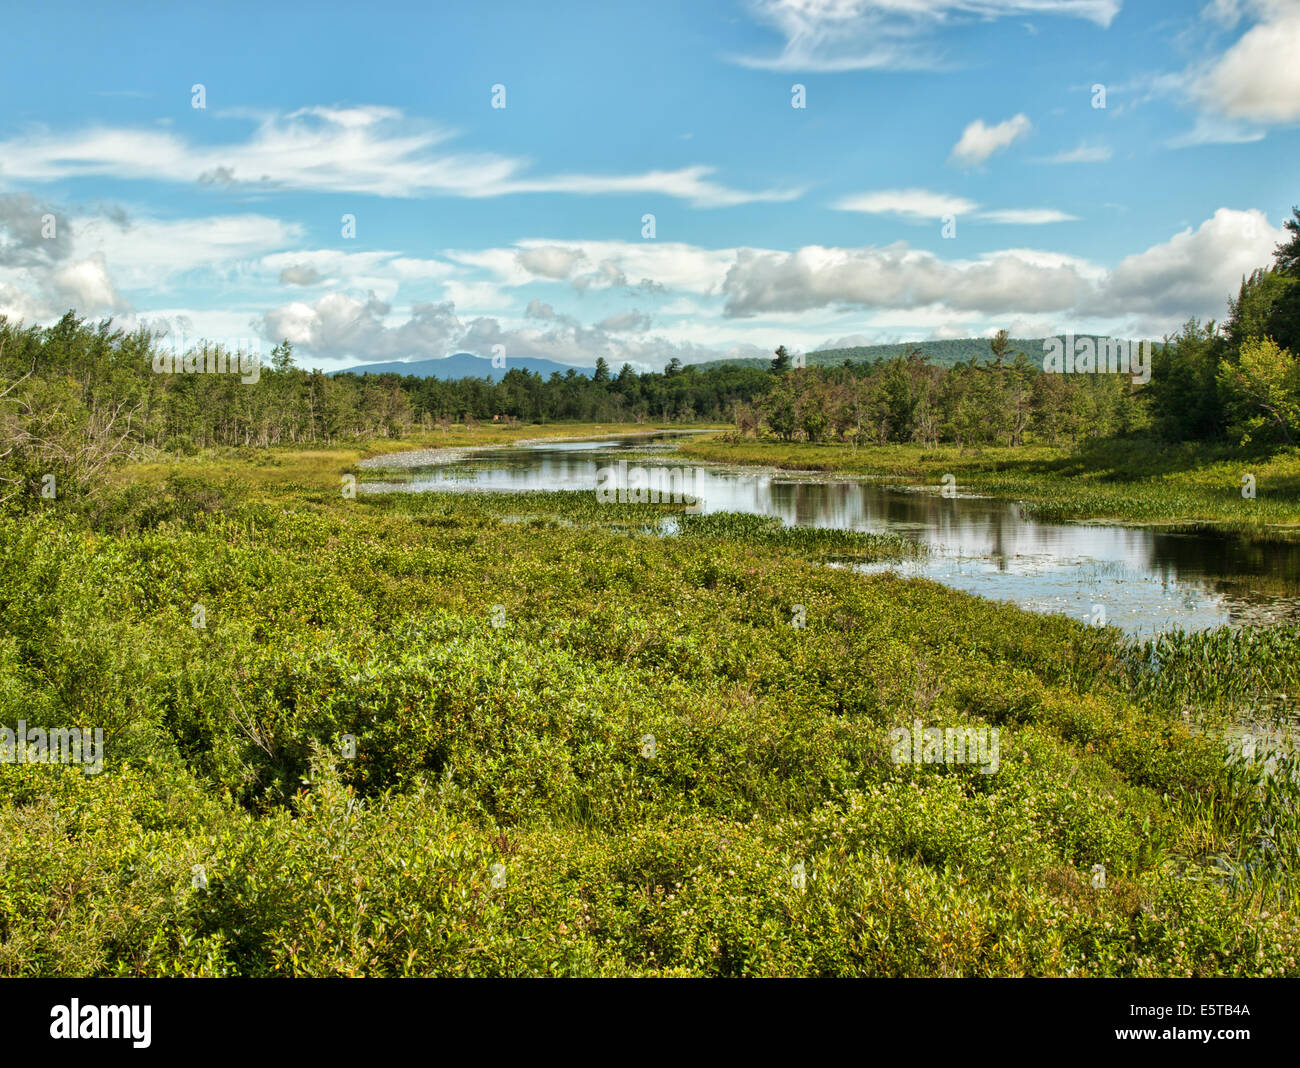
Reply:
x=527, y=735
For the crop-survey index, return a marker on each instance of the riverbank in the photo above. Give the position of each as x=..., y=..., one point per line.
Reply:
x=1133, y=483
x=305, y=468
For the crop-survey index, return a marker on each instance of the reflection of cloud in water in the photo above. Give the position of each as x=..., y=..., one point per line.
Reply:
x=1133, y=601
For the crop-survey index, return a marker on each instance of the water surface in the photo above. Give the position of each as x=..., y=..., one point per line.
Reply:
x=1139, y=579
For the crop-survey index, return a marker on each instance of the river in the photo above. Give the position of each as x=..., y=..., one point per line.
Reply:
x=1141, y=579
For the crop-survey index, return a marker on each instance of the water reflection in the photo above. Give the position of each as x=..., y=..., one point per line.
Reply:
x=1138, y=579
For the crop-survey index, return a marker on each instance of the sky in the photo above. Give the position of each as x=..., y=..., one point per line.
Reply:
x=642, y=182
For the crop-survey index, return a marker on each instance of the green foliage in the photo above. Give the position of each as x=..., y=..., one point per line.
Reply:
x=1262, y=390
x=523, y=745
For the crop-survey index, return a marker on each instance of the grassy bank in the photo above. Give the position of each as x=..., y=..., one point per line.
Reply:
x=1132, y=482
x=521, y=735
x=292, y=468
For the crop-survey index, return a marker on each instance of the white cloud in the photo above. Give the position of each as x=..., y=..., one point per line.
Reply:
x=893, y=277
x=474, y=296
x=86, y=285
x=844, y=35
x=1083, y=153
x=20, y=305
x=979, y=141
x=912, y=203
x=1258, y=78
x=148, y=252
x=1027, y=216
x=94, y=259
x=682, y=306
x=343, y=331
x=591, y=265
x=550, y=261
x=370, y=150
x=1209, y=130
x=922, y=204
x=378, y=271
x=1190, y=275
x=1193, y=272
x=1225, y=12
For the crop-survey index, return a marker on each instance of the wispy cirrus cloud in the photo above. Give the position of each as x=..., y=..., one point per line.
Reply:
x=369, y=150
x=1026, y=216
x=1209, y=130
x=844, y=35
x=909, y=203
x=923, y=204
x=1082, y=153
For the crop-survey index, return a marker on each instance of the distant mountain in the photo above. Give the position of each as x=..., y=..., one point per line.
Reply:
x=944, y=353
x=464, y=365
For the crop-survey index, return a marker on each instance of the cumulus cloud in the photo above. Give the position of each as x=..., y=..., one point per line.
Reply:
x=893, y=277
x=85, y=285
x=1194, y=271
x=31, y=231
x=607, y=275
x=1258, y=78
x=550, y=261
x=1189, y=275
x=20, y=305
x=344, y=329
x=49, y=264
x=340, y=326
x=660, y=265
x=979, y=140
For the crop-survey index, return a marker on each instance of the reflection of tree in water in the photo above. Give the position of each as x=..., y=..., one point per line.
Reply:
x=1213, y=553
x=998, y=531
x=1258, y=579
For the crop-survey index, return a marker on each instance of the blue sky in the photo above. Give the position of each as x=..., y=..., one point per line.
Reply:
x=950, y=173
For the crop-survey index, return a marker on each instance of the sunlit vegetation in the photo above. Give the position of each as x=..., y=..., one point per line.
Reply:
x=499, y=662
